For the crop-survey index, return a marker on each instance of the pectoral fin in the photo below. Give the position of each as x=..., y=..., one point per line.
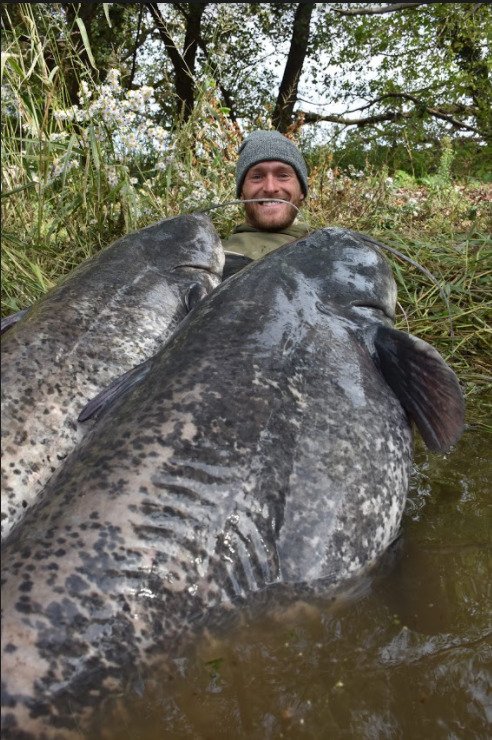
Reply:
x=113, y=391
x=8, y=322
x=194, y=296
x=425, y=385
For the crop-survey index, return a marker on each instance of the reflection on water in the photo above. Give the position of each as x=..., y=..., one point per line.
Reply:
x=407, y=655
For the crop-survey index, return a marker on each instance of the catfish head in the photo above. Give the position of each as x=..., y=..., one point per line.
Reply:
x=355, y=284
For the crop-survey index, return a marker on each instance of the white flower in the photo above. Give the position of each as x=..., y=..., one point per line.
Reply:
x=61, y=136
x=84, y=92
x=60, y=166
x=112, y=78
x=112, y=176
x=146, y=92
x=158, y=133
x=66, y=115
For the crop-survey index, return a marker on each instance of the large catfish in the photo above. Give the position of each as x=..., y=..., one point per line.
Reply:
x=268, y=444
x=108, y=315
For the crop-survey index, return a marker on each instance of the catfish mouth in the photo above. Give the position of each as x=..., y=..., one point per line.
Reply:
x=197, y=266
x=373, y=305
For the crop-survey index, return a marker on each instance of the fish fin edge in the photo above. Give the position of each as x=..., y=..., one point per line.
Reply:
x=425, y=385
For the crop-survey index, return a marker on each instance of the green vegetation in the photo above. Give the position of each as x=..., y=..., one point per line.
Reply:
x=77, y=175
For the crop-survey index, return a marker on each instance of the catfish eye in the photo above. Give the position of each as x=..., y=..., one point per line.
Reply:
x=321, y=307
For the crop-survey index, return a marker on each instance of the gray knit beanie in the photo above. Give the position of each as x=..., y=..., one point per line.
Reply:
x=263, y=146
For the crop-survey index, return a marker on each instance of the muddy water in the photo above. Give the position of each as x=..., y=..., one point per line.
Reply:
x=406, y=654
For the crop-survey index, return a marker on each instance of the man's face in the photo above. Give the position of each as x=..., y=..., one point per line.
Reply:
x=271, y=180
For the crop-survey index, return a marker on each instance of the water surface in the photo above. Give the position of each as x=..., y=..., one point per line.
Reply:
x=406, y=654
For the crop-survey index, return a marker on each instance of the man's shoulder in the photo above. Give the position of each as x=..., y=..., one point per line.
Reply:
x=295, y=230
x=255, y=243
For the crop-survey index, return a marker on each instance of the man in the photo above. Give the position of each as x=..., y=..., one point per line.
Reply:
x=269, y=166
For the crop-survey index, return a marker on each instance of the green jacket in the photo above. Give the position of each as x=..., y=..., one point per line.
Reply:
x=253, y=243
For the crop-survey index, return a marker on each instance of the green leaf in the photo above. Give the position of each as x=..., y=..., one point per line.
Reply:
x=106, y=13
x=72, y=142
x=17, y=189
x=85, y=39
x=52, y=74
x=94, y=147
x=6, y=56
x=11, y=59
x=44, y=283
x=63, y=214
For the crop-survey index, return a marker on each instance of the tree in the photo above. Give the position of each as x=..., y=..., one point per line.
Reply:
x=100, y=37
x=288, y=91
x=432, y=65
x=422, y=66
x=183, y=62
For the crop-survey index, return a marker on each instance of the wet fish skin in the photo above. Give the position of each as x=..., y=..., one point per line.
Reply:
x=108, y=315
x=262, y=446
x=233, y=263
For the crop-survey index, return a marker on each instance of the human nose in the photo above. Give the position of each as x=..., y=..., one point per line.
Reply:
x=270, y=184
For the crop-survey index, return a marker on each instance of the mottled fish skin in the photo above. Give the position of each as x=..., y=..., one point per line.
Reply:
x=111, y=313
x=262, y=448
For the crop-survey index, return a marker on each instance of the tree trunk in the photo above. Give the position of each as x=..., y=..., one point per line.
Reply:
x=287, y=94
x=183, y=64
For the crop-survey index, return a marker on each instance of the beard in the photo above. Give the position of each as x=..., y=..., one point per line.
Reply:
x=271, y=216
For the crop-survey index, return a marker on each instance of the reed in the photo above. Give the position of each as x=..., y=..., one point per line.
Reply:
x=75, y=178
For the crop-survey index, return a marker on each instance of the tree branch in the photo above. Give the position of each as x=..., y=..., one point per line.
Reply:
x=454, y=121
x=377, y=10
x=224, y=92
x=309, y=117
x=171, y=48
x=455, y=108
x=367, y=105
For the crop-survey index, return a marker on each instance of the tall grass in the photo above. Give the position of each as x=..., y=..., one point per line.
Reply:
x=75, y=178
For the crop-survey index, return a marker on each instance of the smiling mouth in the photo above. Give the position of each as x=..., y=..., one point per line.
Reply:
x=269, y=201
